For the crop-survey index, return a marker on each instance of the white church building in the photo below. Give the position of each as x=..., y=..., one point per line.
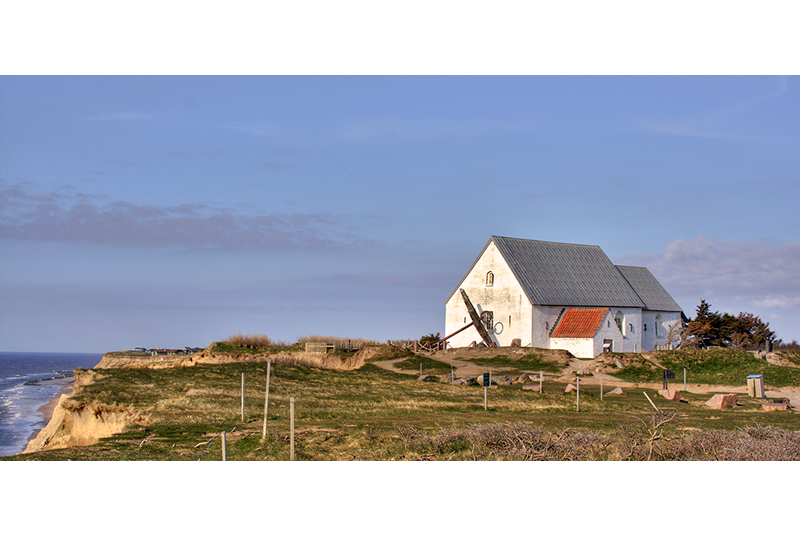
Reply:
x=560, y=296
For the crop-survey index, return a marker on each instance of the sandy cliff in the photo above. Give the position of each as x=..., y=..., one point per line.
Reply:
x=76, y=424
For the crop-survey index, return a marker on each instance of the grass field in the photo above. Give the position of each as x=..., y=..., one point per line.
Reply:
x=714, y=366
x=374, y=414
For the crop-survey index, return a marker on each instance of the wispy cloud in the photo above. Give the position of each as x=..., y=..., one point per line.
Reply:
x=717, y=123
x=750, y=274
x=78, y=218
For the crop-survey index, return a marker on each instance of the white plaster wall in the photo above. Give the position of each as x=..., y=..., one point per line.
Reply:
x=649, y=340
x=504, y=298
x=543, y=320
x=632, y=336
x=582, y=348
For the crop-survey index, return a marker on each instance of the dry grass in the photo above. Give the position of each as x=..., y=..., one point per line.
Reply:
x=517, y=441
x=253, y=340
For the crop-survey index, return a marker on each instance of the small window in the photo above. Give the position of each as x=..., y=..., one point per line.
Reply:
x=659, y=326
x=489, y=279
x=630, y=328
x=619, y=318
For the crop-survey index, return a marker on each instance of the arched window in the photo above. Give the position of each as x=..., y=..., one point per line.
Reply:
x=619, y=318
x=659, y=326
x=489, y=279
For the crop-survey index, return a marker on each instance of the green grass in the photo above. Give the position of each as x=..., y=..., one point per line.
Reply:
x=531, y=361
x=366, y=414
x=429, y=366
x=791, y=355
x=719, y=366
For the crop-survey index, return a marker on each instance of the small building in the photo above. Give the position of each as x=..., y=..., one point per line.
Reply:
x=560, y=296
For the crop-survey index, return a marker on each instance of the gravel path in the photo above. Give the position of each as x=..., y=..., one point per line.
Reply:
x=467, y=368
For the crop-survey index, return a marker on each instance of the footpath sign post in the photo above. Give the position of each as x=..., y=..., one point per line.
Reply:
x=487, y=378
x=668, y=375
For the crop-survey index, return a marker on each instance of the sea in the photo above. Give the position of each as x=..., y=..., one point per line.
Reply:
x=28, y=381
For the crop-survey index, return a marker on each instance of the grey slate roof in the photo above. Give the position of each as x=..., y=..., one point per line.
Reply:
x=654, y=296
x=572, y=275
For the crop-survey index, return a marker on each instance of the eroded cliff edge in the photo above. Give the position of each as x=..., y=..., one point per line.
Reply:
x=76, y=423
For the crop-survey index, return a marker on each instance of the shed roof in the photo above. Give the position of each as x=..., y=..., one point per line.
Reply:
x=580, y=323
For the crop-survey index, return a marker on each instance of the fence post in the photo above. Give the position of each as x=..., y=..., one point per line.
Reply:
x=601, y=388
x=541, y=380
x=291, y=429
x=224, y=448
x=578, y=391
x=266, y=401
x=242, y=396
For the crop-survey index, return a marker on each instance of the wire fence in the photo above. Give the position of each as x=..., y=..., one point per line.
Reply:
x=269, y=424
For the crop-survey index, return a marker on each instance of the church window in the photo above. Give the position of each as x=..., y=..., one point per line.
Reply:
x=659, y=326
x=619, y=318
x=489, y=279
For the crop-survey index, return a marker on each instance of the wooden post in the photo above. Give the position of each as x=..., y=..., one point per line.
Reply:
x=578, y=391
x=541, y=379
x=651, y=402
x=266, y=401
x=242, y=396
x=601, y=389
x=684, y=378
x=291, y=429
x=224, y=448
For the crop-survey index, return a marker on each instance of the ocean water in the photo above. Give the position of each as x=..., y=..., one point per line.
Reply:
x=26, y=385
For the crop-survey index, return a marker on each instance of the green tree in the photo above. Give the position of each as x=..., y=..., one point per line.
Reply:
x=745, y=331
x=706, y=326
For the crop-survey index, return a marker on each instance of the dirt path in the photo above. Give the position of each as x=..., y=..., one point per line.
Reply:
x=467, y=368
x=461, y=368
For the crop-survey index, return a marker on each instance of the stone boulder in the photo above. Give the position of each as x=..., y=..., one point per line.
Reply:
x=722, y=401
x=466, y=380
x=524, y=378
x=670, y=394
x=426, y=378
x=502, y=380
x=774, y=406
x=618, y=391
x=572, y=387
x=449, y=378
x=531, y=387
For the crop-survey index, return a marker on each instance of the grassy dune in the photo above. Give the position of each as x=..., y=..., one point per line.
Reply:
x=373, y=414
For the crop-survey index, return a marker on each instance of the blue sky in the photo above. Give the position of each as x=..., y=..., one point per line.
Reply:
x=172, y=211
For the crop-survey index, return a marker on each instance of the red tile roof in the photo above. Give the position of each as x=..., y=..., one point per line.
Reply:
x=580, y=323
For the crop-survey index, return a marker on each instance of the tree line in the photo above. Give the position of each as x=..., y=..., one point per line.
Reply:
x=745, y=330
